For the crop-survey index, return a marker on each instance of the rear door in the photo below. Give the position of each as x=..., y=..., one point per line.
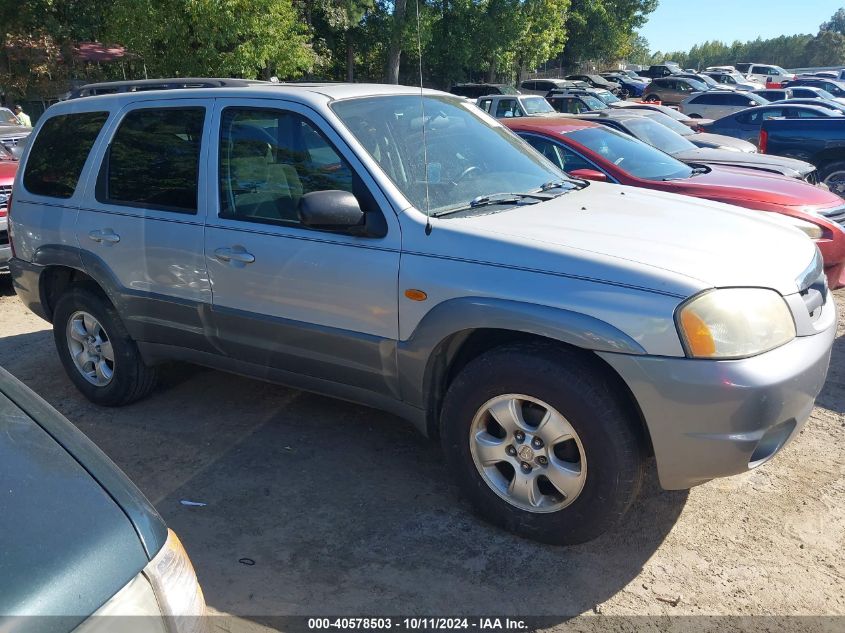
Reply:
x=288, y=297
x=141, y=222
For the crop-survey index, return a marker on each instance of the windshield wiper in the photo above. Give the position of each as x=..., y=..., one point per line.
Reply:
x=517, y=199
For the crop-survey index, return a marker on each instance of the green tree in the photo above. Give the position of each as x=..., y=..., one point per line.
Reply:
x=602, y=29
x=229, y=38
x=826, y=49
x=836, y=22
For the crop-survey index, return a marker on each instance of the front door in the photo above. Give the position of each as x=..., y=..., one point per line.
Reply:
x=286, y=296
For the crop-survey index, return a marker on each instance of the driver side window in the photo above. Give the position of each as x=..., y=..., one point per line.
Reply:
x=269, y=159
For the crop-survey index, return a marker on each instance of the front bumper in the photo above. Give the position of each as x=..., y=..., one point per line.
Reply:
x=711, y=419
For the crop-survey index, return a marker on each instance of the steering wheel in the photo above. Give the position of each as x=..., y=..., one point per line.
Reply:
x=466, y=172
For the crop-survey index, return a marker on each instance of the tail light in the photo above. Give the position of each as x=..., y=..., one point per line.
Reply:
x=764, y=141
x=9, y=225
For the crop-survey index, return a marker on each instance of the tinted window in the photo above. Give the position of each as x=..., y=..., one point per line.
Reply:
x=269, y=159
x=806, y=113
x=153, y=160
x=59, y=152
x=559, y=155
x=530, y=85
x=705, y=99
x=657, y=135
x=507, y=108
x=630, y=155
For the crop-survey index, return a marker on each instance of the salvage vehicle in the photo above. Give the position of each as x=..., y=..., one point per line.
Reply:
x=693, y=130
x=402, y=249
x=817, y=141
x=81, y=544
x=543, y=86
x=673, y=90
x=673, y=138
x=769, y=75
x=473, y=91
x=506, y=106
x=733, y=80
x=716, y=104
x=832, y=87
x=597, y=81
x=8, y=169
x=746, y=123
x=585, y=149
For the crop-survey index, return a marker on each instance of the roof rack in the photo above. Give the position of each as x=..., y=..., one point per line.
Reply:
x=142, y=85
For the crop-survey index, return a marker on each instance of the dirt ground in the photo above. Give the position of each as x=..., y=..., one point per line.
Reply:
x=348, y=511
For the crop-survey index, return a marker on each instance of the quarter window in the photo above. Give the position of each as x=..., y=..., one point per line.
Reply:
x=269, y=159
x=59, y=152
x=153, y=160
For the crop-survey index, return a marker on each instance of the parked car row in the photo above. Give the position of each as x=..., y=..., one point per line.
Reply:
x=403, y=249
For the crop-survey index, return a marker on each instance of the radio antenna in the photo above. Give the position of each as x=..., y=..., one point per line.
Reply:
x=424, y=144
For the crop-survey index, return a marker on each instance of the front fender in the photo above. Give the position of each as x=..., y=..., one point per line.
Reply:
x=450, y=322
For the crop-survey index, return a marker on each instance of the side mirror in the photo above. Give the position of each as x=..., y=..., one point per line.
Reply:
x=589, y=174
x=332, y=210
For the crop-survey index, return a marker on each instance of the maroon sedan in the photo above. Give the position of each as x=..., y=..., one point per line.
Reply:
x=594, y=152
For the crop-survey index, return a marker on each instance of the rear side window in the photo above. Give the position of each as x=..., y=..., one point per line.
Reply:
x=59, y=152
x=153, y=160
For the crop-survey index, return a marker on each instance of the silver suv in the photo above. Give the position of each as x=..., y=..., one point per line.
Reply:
x=408, y=252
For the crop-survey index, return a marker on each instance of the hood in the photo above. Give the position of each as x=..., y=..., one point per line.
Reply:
x=68, y=547
x=756, y=189
x=787, y=166
x=706, y=139
x=648, y=238
x=14, y=130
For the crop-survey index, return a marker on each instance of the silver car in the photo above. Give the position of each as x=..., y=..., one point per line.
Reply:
x=715, y=104
x=406, y=251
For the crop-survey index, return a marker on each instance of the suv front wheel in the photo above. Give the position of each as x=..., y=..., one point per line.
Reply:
x=541, y=443
x=97, y=352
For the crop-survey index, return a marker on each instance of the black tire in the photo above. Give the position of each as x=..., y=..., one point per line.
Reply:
x=651, y=99
x=694, y=115
x=828, y=170
x=589, y=399
x=132, y=378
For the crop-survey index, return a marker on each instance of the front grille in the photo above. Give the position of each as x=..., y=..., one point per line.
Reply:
x=11, y=141
x=812, y=177
x=837, y=214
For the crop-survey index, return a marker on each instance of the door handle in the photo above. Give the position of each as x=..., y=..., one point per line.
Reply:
x=235, y=255
x=104, y=235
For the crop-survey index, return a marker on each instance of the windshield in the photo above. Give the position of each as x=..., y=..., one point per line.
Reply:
x=469, y=155
x=705, y=79
x=672, y=124
x=824, y=94
x=606, y=96
x=536, y=105
x=659, y=136
x=631, y=155
x=594, y=102
x=697, y=85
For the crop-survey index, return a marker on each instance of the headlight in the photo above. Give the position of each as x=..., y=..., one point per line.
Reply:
x=734, y=323
x=163, y=598
x=179, y=594
x=813, y=231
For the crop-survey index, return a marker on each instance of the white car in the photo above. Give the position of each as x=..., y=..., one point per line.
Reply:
x=714, y=104
x=767, y=74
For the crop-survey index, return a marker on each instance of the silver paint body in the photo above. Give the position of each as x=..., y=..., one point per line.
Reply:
x=603, y=268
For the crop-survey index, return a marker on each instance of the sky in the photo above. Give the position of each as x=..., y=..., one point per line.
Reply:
x=678, y=24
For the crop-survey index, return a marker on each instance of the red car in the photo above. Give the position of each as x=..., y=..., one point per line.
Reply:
x=8, y=168
x=594, y=152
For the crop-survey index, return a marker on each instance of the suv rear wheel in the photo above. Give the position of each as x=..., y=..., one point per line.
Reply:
x=541, y=443
x=97, y=352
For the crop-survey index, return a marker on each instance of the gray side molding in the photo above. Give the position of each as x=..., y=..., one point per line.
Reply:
x=449, y=323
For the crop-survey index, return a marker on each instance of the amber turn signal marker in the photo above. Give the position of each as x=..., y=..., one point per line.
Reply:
x=699, y=338
x=416, y=295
